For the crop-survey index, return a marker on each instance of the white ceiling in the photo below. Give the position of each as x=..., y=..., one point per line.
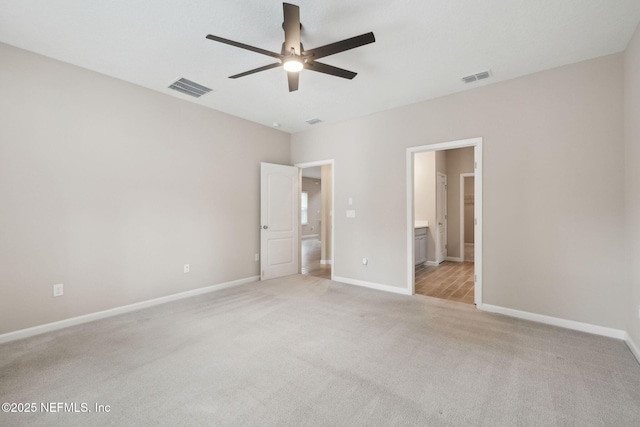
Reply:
x=422, y=48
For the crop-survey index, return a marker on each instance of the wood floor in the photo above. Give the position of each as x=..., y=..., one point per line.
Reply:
x=311, y=260
x=452, y=281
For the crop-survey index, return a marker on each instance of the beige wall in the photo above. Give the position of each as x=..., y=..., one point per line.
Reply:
x=110, y=188
x=313, y=187
x=632, y=181
x=553, y=150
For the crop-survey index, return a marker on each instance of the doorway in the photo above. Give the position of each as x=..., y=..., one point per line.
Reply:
x=450, y=267
x=316, y=225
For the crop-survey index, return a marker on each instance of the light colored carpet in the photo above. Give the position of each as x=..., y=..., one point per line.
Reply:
x=304, y=351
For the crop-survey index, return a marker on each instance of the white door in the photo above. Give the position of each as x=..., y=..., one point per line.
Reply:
x=279, y=224
x=441, y=216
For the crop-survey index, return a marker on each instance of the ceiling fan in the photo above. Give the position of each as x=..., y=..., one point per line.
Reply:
x=293, y=57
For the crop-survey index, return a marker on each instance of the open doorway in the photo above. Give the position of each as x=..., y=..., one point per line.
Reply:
x=316, y=228
x=438, y=220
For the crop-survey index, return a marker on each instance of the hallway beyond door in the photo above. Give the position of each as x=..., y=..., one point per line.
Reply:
x=311, y=266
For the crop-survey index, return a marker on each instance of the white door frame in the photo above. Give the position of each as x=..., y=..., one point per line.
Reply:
x=472, y=142
x=333, y=194
x=462, y=177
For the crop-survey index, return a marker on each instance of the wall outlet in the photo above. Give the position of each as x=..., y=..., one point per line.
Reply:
x=257, y=257
x=58, y=290
x=186, y=268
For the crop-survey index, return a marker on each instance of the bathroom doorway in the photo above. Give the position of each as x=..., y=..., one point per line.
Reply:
x=457, y=276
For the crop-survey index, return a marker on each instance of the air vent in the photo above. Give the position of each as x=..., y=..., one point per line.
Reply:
x=478, y=76
x=313, y=121
x=190, y=88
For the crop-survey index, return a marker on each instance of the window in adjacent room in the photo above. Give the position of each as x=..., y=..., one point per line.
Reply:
x=304, y=207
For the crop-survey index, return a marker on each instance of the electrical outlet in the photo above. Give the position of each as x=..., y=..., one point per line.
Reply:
x=58, y=290
x=186, y=268
x=257, y=257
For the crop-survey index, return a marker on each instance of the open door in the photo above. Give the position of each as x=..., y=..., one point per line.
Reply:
x=279, y=225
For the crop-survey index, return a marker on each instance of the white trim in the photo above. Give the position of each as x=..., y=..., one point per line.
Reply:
x=454, y=259
x=462, y=219
x=310, y=236
x=556, y=321
x=632, y=346
x=325, y=262
x=477, y=156
x=73, y=321
x=371, y=285
x=333, y=197
x=431, y=263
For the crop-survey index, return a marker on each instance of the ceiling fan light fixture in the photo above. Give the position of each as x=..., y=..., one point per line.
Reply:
x=292, y=65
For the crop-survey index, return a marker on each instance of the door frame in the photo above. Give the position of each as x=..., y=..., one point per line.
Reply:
x=301, y=166
x=477, y=155
x=462, y=219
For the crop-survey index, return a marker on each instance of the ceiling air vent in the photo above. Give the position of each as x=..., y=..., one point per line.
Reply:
x=313, y=121
x=478, y=76
x=190, y=88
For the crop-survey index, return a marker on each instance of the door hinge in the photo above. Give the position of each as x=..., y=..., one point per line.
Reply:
x=475, y=221
x=475, y=165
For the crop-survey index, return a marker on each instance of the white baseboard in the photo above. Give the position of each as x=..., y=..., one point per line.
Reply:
x=325, y=261
x=555, y=321
x=73, y=321
x=635, y=349
x=372, y=285
x=454, y=259
x=431, y=263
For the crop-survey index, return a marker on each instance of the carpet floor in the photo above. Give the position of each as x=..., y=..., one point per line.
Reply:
x=305, y=351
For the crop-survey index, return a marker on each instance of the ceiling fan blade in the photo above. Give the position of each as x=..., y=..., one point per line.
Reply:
x=291, y=27
x=244, y=46
x=341, y=46
x=329, y=69
x=256, y=70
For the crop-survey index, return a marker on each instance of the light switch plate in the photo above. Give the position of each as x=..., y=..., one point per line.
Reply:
x=351, y=214
x=58, y=290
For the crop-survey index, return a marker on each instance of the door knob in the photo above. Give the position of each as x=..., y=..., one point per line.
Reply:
x=264, y=227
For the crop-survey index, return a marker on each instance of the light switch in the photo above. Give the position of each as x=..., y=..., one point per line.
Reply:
x=351, y=214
